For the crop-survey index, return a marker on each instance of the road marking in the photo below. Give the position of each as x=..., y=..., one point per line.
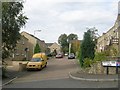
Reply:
x=9, y=81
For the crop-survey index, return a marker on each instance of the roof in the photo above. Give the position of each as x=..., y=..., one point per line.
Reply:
x=33, y=36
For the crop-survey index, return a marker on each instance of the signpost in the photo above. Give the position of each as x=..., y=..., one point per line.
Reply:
x=108, y=64
x=111, y=63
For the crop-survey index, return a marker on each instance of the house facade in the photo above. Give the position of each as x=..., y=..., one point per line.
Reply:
x=25, y=47
x=54, y=46
x=110, y=38
x=21, y=51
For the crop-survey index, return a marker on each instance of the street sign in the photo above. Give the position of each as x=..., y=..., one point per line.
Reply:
x=109, y=63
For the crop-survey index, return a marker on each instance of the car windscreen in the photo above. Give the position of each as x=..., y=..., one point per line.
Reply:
x=36, y=59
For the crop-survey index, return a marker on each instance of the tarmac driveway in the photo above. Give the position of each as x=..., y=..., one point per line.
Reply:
x=56, y=69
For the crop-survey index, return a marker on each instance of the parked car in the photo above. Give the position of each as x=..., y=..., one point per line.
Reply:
x=38, y=61
x=59, y=56
x=71, y=56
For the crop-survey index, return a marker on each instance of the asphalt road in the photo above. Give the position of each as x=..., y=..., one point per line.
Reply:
x=56, y=76
x=63, y=83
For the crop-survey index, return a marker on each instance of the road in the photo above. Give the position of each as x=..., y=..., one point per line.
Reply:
x=56, y=76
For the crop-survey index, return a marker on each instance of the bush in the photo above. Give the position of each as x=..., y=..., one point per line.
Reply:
x=100, y=56
x=87, y=62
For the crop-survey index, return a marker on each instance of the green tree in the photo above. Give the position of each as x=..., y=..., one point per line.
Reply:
x=37, y=49
x=72, y=37
x=12, y=21
x=62, y=40
x=75, y=45
x=87, y=49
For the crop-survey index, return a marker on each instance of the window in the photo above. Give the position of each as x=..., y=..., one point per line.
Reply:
x=36, y=59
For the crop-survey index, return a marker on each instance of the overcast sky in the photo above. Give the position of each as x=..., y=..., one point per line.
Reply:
x=56, y=17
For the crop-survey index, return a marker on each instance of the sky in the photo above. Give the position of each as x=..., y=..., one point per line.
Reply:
x=56, y=17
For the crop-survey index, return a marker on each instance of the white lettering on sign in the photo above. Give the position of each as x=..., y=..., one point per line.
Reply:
x=109, y=63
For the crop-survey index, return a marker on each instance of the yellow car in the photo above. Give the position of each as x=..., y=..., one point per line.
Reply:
x=38, y=61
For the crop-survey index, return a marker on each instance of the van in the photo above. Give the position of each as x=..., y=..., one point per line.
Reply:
x=38, y=61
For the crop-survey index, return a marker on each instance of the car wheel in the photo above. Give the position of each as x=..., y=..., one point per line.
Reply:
x=46, y=64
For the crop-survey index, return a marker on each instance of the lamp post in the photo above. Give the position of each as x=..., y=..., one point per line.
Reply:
x=69, y=48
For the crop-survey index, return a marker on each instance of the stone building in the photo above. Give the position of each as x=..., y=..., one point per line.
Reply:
x=110, y=38
x=32, y=40
x=21, y=51
x=53, y=46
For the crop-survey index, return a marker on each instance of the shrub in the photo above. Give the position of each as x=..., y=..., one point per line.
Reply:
x=100, y=56
x=87, y=62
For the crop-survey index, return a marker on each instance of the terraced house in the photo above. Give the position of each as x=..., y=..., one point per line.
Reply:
x=25, y=46
x=109, y=40
x=54, y=46
x=21, y=50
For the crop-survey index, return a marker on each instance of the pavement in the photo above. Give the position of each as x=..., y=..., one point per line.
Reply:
x=93, y=77
x=12, y=74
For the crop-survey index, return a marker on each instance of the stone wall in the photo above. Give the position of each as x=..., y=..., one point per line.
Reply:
x=97, y=68
x=8, y=61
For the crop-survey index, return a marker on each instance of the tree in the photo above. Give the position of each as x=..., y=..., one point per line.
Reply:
x=72, y=37
x=75, y=45
x=12, y=21
x=87, y=49
x=37, y=49
x=62, y=40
